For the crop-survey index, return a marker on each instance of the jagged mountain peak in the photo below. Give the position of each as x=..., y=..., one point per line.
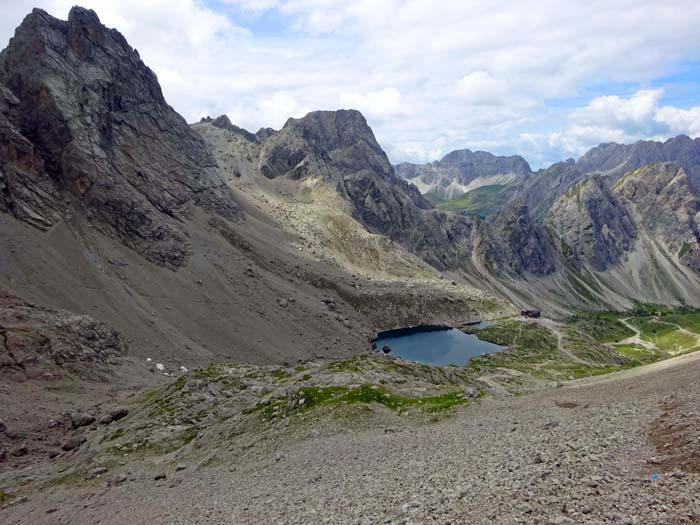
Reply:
x=304, y=146
x=223, y=122
x=110, y=146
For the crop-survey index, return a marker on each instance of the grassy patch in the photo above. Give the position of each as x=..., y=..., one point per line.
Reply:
x=604, y=327
x=280, y=374
x=312, y=397
x=684, y=249
x=347, y=365
x=482, y=201
x=117, y=434
x=532, y=349
x=690, y=320
x=525, y=342
x=639, y=353
x=4, y=498
x=666, y=337
x=433, y=198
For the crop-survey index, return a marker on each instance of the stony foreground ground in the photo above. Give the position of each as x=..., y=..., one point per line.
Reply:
x=612, y=450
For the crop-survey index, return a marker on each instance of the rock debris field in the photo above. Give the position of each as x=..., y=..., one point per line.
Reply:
x=617, y=450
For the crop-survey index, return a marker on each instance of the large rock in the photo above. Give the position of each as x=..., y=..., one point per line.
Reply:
x=90, y=131
x=36, y=340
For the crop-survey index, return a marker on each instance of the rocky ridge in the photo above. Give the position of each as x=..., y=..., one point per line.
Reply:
x=90, y=132
x=464, y=170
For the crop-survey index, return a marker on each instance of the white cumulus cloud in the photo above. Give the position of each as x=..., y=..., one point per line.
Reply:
x=430, y=76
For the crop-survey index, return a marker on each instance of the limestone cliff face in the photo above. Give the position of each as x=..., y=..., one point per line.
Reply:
x=591, y=226
x=667, y=207
x=87, y=130
x=515, y=245
x=26, y=189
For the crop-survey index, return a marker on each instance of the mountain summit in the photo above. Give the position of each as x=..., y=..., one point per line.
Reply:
x=91, y=133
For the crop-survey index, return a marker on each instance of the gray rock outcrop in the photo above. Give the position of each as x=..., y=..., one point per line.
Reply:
x=592, y=228
x=86, y=130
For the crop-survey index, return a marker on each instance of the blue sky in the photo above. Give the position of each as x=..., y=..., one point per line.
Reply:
x=546, y=79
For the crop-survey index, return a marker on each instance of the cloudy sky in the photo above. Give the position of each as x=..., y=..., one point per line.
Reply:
x=543, y=79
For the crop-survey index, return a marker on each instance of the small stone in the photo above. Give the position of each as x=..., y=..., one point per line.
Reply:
x=95, y=472
x=551, y=424
x=160, y=476
x=81, y=419
x=180, y=467
x=3, y=427
x=20, y=500
x=105, y=420
x=471, y=392
x=22, y=450
x=118, y=413
x=73, y=442
x=121, y=478
x=282, y=303
x=3, y=455
x=563, y=520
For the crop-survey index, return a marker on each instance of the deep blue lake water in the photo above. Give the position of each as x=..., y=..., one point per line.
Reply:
x=438, y=347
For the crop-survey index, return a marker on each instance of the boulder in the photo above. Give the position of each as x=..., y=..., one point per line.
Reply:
x=73, y=442
x=81, y=419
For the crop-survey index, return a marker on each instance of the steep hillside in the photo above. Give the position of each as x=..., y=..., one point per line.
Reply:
x=591, y=226
x=112, y=206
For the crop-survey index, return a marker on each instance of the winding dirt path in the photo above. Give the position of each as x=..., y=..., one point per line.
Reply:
x=635, y=339
x=557, y=328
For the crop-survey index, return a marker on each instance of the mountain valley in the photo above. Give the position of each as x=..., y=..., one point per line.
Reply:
x=188, y=314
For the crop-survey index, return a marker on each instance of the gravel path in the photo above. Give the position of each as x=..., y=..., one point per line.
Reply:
x=579, y=454
x=635, y=339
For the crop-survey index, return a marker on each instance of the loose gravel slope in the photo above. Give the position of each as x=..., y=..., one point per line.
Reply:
x=585, y=453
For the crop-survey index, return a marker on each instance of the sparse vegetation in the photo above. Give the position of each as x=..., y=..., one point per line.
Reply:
x=482, y=201
x=604, y=327
x=311, y=397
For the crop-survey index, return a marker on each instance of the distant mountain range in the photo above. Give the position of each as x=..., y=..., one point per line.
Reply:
x=480, y=183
